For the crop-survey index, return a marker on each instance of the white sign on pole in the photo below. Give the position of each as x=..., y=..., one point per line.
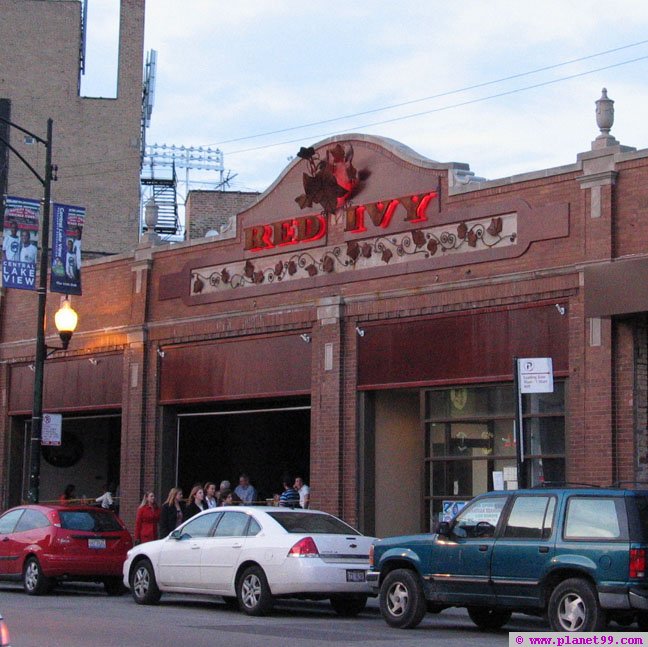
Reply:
x=535, y=375
x=51, y=429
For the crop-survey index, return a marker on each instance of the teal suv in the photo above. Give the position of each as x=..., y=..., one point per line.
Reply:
x=574, y=555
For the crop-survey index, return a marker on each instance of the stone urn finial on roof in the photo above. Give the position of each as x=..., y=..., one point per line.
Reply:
x=604, y=113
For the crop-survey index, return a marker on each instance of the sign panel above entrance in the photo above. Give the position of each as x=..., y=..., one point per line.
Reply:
x=359, y=208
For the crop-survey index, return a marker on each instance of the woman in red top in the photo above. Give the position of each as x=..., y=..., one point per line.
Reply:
x=146, y=522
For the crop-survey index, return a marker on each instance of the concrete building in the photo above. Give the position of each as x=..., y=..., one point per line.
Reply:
x=96, y=141
x=360, y=330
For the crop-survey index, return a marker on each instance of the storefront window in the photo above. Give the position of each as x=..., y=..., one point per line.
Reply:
x=470, y=441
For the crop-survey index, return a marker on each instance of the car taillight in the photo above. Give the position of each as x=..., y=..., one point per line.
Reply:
x=4, y=633
x=304, y=548
x=637, y=562
x=371, y=556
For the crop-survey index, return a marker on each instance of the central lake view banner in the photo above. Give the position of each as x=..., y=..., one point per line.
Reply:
x=66, y=249
x=20, y=243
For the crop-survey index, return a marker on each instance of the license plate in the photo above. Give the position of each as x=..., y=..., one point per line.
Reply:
x=96, y=543
x=355, y=576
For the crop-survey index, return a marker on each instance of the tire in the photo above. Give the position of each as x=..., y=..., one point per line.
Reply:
x=642, y=620
x=114, y=586
x=34, y=582
x=574, y=606
x=402, y=601
x=253, y=592
x=143, y=585
x=489, y=619
x=348, y=606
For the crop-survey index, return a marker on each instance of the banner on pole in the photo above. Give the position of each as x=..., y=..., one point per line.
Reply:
x=66, y=249
x=20, y=243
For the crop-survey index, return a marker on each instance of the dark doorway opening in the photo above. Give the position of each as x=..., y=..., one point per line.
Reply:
x=263, y=442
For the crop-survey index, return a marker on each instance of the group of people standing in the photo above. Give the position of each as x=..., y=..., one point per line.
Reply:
x=152, y=518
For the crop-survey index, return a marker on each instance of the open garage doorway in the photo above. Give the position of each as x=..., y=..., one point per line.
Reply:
x=88, y=457
x=261, y=440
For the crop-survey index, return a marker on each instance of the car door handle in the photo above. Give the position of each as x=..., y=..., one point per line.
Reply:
x=237, y=545
x=483, y=548
x=195, y=546
x=543, y=549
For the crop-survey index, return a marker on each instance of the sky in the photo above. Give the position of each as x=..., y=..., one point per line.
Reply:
x=505, y=86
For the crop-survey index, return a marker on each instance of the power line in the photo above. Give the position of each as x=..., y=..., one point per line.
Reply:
x=433, y=96
x=443, y=108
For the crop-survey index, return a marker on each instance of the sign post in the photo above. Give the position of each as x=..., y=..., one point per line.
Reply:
x=530, y=375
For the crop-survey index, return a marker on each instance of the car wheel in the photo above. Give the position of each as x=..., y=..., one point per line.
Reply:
x=348, y=606
x=34, y=582
x=642, y=621
x=489, y=619
x=143, y=585
x=114, y=586
x=574, y=606
x=402, y=601
x=253, y=592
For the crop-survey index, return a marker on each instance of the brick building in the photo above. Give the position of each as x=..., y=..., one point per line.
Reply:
x=215, y=211
x=96, y=141
x=360, y=330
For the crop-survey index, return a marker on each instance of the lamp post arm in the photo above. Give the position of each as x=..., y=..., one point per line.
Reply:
x=23, y=160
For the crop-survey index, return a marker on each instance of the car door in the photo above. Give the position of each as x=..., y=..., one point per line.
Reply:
x=180, y=555
x=223, y=550
x=9, y=547
x=460, y=563
x=524, y=549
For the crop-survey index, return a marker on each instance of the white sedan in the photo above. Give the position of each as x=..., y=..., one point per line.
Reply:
x=250, y=555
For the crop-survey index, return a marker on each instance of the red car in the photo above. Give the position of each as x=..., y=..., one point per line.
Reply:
x=40, y=544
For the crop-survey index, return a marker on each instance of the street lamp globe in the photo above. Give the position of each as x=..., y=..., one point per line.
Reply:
x=66, y=320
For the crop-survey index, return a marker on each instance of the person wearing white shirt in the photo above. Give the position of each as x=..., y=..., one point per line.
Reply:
x=304, y=492
x=27, y=249
x=11, y=243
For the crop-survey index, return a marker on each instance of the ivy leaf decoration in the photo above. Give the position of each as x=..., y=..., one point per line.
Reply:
x=225, y=276
x=353, y=250
x=472, y=238
x=432, y=246
x=248, y=270
x=418, y=237
x=198, y=285
x=366, y=250
x=278, y=269
x=312, y=270
x=495, y=227
x=306, y=153
x=292, y=268
x=258, y=277
x=462, y=230
x=328, y=264
x=386, y=255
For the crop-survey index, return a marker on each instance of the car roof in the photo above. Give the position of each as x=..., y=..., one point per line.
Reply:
x=567, y=489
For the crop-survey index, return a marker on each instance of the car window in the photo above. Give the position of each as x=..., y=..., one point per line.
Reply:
x=199, y=526
x=529, y=518
x=312, y=523
x=8, y=521
x=89, y=520
x=595, y=517
x=232, y=524
x=479, y=519
x=254, y=528
x=32, y=519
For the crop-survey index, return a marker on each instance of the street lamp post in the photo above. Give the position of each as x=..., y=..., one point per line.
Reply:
x=41, y=347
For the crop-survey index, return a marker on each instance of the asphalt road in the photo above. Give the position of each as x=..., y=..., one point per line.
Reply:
x=83, y=616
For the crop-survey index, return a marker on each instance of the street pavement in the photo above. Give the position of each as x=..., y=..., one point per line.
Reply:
x=84, y=616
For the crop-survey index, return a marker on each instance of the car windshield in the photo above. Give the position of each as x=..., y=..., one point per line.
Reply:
x=89, y=520
x=322, y=524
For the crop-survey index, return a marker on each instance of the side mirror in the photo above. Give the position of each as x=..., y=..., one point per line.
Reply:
x=444, y=528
